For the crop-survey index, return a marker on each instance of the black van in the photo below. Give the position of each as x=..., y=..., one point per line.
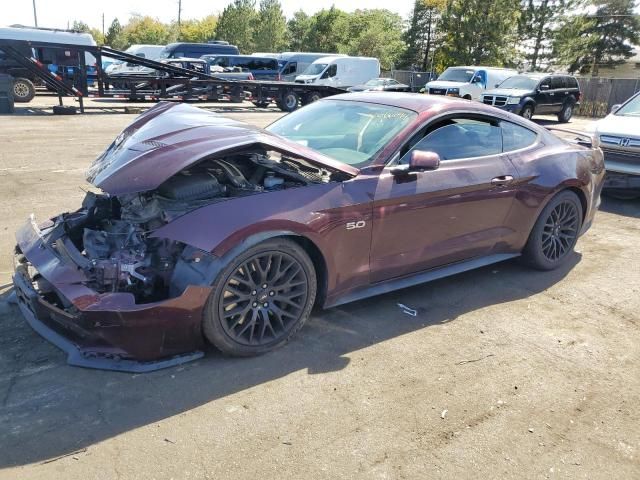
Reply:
x=197, y=50
x=536, y=93
x=262, y=68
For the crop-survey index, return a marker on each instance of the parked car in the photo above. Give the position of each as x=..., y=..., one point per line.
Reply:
x=536, y=93
x=262, y=68
x=468, y=82
x=196, y=50
x=619, y=135
x=60, y=62
x=380, y=84
x=207, y=228
x=293, y=64
x=340, y=72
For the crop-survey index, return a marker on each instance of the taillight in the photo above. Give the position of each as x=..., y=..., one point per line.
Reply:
x=578, y=95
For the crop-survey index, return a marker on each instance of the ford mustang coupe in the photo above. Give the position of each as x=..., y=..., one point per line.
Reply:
x=203, y=228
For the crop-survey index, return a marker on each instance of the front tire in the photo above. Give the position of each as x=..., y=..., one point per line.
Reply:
x=527, y=111
x=261, y=299
x=555, y=233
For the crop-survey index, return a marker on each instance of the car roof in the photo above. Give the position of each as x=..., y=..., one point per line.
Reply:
x=410, y=101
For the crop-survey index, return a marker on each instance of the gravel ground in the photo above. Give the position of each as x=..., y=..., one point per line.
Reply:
x=504, y=372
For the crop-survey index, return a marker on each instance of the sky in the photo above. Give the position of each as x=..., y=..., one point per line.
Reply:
x=57, y=13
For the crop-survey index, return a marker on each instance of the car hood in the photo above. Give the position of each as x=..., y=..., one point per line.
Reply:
x=619, y=125
x=445, y=84
x=509, y=92
x=170, y=137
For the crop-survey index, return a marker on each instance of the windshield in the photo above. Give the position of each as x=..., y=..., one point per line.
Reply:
x=521, y=82
x=631, y=108
x=351, y=132
x=165, y=53
x=315, y=69
x=462, y=75
x=375, y=82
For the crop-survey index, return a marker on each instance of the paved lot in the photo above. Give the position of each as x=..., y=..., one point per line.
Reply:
x=504, y=373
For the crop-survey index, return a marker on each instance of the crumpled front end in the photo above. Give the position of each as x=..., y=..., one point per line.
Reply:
x=62, y=293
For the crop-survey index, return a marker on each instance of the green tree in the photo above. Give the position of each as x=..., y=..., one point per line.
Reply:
x=146, y=30
x=587, y=42
x=114, y=37
x=422, y=37
x=375, y=33
x=198, y=31
x=480, y=32
x=236, y=24
x=270, y=34
x=328, y=31
x=298, y=28
x=538, y=26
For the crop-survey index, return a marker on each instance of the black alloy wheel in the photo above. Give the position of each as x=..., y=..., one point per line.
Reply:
x=560, y=231
x=555, y=232
x=261, y=299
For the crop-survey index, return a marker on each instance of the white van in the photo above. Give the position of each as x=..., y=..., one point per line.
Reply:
x=293, y=64
x=341, y=72
x=151, y=52
x=468, y=82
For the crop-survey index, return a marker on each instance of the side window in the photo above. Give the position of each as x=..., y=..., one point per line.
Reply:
x=515, y=137
x=291, y=68
x=459, y=138
x=545, y=82
x=572, y=82
x=557, y=82
x=333, y=70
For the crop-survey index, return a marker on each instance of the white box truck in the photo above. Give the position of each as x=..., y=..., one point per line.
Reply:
x=341, y=72
x=468, y=82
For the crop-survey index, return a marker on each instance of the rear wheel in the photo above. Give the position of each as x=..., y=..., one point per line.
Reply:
x=566, y=113
x=555, y=233
x=527, y=111
x=23, y=90
x=310, y=98
x=261, y=298
x=289, y=101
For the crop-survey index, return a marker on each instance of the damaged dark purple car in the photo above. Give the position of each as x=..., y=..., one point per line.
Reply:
x=205, y=228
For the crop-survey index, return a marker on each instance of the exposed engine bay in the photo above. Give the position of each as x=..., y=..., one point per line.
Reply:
x=112, y=234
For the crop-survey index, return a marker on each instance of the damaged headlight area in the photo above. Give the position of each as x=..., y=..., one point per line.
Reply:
x=111, y=237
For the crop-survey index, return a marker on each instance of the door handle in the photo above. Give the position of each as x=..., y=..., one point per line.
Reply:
x=502, y=180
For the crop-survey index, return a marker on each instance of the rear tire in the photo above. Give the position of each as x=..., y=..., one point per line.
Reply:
x=310, y=98
x=566, y=113
x=289, y=101
x=23, y=90
x=260, y=299
x=555, y=232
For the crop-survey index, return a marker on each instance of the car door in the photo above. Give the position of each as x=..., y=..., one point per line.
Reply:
x=542, y=98
x=558, y=93
x=423, y=220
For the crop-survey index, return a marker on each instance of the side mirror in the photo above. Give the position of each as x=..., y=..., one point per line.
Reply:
x=543, y=87
x=615, y=107
x=497, y=85
x=419, y=161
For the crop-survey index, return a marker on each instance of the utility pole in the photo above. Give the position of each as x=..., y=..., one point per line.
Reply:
x=179, y=11
x=103, y=25
x=35, y=15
